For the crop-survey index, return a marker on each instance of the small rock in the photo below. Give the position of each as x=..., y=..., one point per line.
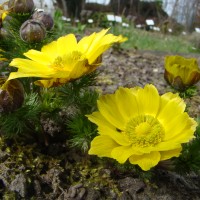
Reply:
x=93, y=194
x=76, y=192
x=19, y=185
x=124, y=196
x=105, y=173
x=81, y=194
x=3, y=155
x=129, y=182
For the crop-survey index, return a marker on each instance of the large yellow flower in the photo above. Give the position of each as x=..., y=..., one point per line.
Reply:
x=65, y=59
x=140, y=125
x=181, y=72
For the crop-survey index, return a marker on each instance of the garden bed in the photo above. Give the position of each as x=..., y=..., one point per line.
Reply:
x=56, y=171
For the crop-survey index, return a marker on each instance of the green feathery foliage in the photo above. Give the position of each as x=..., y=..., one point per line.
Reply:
x=23, y=120
x=189, y=92
x=50, y=101
x=80, y=100
x=82, y=132
x=79, y=92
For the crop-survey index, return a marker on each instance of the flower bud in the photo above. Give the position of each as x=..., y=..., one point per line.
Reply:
x=32, y=31
x=11, y=95
x=21, y=6
x=3, y=33
x=45, y=18
x=181, y=73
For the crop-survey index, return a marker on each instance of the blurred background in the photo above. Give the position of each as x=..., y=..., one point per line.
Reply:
x=185, y=12
x=160, y=18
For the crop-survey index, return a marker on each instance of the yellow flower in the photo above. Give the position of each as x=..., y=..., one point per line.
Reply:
x=3, y=15
x=140, y=125
x=181, y=72
x=64, y=60
x=3, y=12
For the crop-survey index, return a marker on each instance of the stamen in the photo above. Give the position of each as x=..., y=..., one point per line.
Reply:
x=144, y=131
x=66, y=60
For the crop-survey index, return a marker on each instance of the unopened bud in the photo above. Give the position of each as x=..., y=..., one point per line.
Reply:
x=3, y=33
x=21, y=6
x=11, y=95
x=45, y=18
x=32, y=31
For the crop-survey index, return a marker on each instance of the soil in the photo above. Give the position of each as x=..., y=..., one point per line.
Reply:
x=58, y=172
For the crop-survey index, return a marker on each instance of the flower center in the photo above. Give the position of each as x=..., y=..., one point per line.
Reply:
x=144, y=131
x=66, y=60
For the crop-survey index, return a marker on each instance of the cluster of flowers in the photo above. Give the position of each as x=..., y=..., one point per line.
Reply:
x=135, y=124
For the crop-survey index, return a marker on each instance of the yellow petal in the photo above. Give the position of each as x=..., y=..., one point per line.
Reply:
x=178, y=126
x=5, y=13
x=98, y=119
x=85, y=42
x=167, y=97
x=146, y=161
x=127, y=103
x=102, y=146
x=149, y=100
x=107, y=106
x=27, y=66
x=100, y=45
x=66, y=44
x=96, y=53
x=78, y=69
x=94, y=45
x=106, y=128
x=186, y=134
x=169, y=154
x=122, y=39
x=97, y=40
x=51, y=49
x=165, y=146
x=24, y=69
x=122, y=153
x=171, y=106
x=89, y=44
x=162, y=146
x=14, y=75
x=39, y=57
